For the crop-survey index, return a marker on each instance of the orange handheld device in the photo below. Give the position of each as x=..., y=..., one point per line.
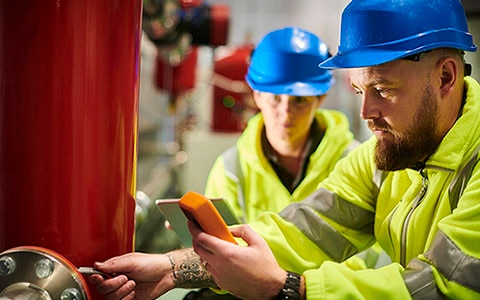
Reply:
x=201, y=210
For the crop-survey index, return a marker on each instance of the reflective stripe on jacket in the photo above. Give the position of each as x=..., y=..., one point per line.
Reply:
x=260, y=184
x=428, y=222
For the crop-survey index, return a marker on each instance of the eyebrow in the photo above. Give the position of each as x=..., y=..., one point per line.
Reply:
x=376, y=82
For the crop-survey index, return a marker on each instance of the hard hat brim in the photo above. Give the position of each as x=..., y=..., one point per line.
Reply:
x=383, y=53
x=363, y=58
x=293, y=88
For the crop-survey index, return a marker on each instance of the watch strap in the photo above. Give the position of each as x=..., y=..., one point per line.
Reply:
x=291, y=288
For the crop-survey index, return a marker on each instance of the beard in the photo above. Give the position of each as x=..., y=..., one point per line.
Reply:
x=408, y=149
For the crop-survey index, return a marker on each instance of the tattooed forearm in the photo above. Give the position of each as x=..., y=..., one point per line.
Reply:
x=188, y=271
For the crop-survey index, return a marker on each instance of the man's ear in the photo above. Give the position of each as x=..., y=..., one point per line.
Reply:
x=449, y=73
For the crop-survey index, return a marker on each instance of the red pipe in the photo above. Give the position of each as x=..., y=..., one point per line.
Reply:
x=69, y=76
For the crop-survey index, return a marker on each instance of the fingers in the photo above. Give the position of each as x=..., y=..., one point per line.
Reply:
x=203, y=240
x=96, y=279
x=116, y=288
x=122, y=293
x=198, y=246
x=193, y=227
x=129, y=296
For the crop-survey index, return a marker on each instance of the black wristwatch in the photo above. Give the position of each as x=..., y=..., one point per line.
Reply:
x=291, y=288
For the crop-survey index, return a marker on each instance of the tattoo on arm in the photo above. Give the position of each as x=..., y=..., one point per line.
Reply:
x=188, y=271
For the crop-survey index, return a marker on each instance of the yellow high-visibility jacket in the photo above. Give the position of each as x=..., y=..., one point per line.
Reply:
x=427, y=220
x=245, y=178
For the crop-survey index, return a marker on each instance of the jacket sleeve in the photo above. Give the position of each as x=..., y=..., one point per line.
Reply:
x=448, y=269
x=311, y=238
x=314, y=236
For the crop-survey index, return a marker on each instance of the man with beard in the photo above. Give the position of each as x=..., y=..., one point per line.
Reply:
x=410, y=145
x=414, y=186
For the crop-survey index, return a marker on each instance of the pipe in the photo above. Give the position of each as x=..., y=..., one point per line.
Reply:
x=69, y=76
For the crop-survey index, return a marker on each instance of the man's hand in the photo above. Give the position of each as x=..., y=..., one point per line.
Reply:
x=139, y=276
x=145, y=276
x=247, y=272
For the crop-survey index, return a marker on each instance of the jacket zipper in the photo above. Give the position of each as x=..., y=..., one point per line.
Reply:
x=415, y=204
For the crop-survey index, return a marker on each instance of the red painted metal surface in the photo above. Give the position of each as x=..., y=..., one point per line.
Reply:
x=69, y=75
x=179, y=78
x=231, y=91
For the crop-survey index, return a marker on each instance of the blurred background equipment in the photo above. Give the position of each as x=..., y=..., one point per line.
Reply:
x=232, y=98
x=177, y=27
x=166, y=21
x=177, y=30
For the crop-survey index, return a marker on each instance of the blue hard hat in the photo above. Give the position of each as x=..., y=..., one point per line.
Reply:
x=378, y=31
x=286, y=62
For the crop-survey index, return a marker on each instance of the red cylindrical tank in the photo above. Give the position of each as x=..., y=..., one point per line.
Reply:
x=69, y=76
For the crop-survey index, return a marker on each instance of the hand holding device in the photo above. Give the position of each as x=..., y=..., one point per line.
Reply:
x=201, y=210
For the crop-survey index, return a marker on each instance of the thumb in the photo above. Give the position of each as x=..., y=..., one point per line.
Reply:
x=250, y=236
x=101, y=266
x=114, y=265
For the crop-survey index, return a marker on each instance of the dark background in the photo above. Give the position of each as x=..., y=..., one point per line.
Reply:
x=471, y=6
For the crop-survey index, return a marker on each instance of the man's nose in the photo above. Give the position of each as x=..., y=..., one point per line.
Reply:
x=288, y=104
x=370, y=108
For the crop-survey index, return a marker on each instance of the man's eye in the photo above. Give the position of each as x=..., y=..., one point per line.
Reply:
x=357, y=92
x=273, y=98
x=301, y=100
x=383, y=92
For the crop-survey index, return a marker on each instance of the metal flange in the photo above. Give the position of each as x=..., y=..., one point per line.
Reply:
x=32, y=272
